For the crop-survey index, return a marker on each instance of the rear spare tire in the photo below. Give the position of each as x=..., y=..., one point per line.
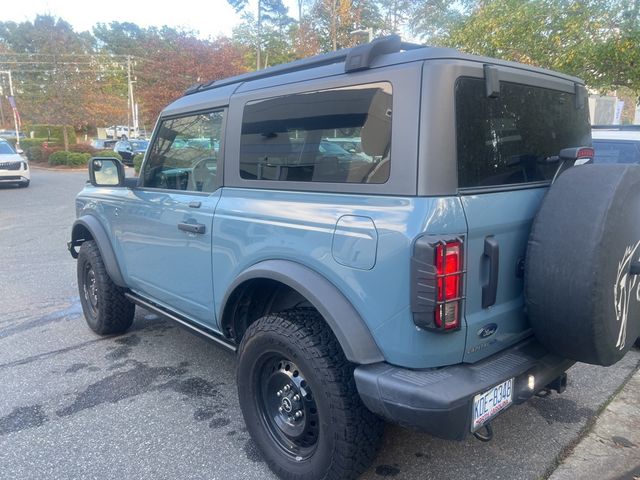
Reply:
x=581, y=286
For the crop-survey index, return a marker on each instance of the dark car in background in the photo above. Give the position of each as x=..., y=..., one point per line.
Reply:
x=130, y=148
x=616, y=143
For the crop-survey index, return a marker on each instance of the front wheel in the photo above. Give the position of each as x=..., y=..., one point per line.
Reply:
x=300, y=402
x=105, y=307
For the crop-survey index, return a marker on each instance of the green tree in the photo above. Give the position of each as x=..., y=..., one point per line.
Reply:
x=334, y=20
x=271, y=18
x=596, y=40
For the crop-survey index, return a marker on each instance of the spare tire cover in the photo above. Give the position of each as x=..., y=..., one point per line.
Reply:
x=582, y=299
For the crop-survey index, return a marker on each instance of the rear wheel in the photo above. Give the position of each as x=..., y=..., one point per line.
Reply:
x=300, y=402
x=105, y=307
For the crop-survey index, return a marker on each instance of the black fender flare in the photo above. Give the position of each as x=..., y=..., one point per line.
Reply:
x=352, y=332
x=91, y=224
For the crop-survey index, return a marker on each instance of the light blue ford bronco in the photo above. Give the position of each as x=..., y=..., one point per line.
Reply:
x=388, y=232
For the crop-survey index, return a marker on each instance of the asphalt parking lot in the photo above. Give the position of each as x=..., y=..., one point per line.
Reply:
x=161, y=403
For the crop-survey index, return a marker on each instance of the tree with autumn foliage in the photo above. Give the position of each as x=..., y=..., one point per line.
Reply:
x=80, y=79
x=171, y=65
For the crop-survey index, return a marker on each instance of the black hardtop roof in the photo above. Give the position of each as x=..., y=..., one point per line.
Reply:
x=363, y=56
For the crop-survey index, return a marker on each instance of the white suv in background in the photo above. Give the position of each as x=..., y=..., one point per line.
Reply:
x=616, y=143
x=13, y=168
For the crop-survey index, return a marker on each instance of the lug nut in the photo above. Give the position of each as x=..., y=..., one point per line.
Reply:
x=296, y=398
x=286, y=388
x=298, y=414
x=279, y=393
x=280, y=409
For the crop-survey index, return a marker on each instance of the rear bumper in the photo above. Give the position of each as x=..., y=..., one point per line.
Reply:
x=439, y=401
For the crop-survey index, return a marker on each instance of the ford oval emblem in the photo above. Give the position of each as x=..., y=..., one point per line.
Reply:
x=488, y=330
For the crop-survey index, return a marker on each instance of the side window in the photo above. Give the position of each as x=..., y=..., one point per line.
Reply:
x=505, y=140
x=341, y=135
x=184, y=153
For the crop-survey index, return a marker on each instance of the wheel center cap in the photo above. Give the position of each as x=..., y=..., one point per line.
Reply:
x=286, y=405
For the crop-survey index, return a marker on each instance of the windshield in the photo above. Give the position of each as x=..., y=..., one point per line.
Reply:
x=5, y=148
x=332, y=149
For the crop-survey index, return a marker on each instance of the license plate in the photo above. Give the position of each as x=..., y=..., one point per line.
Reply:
x=488, y=404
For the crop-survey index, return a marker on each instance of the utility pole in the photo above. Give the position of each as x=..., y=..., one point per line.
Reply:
x=259, y=35
x=129, y=96
x=1, y=109
x=15, y=117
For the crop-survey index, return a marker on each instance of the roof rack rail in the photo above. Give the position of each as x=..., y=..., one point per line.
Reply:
x=355, y=58
x=616, y=127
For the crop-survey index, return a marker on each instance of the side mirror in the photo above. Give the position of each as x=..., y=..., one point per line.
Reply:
x=106, y=172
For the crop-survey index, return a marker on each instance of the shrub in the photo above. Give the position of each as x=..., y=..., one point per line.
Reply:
x=70, y=159
x=77, y=159
x=49, y=148
x=27, y=143
x=53, y=131
x=58, y=158
x=34, y=154
x=137, y=162
x=82, y=148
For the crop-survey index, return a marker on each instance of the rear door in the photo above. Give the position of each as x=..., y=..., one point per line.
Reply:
x=503, y=142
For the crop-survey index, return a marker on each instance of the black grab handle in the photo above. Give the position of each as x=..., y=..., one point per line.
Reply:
x=192, y=227
x=492, y=252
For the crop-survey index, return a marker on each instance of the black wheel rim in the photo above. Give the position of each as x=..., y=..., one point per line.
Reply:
x=287, y=407
x=90, y=289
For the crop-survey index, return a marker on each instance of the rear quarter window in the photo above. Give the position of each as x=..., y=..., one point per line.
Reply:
x=340, y=135
x=505, y=140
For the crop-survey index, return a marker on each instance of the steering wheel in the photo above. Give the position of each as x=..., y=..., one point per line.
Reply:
x=201, y=179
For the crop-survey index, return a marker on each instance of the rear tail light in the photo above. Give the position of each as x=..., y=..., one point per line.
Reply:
x=437, y=275
x=448, y=292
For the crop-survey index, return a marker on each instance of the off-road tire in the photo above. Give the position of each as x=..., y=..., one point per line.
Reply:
x=349, y=434
x=112, y=312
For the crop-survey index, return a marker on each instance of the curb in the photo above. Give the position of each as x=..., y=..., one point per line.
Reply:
x=610, y=449
x=53, y=169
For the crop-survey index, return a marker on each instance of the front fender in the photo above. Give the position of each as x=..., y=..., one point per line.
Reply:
x=346, y=323
x=89, y=227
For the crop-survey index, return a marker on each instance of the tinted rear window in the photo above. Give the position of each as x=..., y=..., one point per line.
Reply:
x=505, y=140
x=611, y=151
x=337, y=136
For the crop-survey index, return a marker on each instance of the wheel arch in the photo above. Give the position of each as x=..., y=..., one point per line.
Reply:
x=88, y=227
x=345, y=322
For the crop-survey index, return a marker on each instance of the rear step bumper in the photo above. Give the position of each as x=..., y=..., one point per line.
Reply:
x=439, y=401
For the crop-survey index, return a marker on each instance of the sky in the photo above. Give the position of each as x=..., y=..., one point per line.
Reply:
x=209, y=17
